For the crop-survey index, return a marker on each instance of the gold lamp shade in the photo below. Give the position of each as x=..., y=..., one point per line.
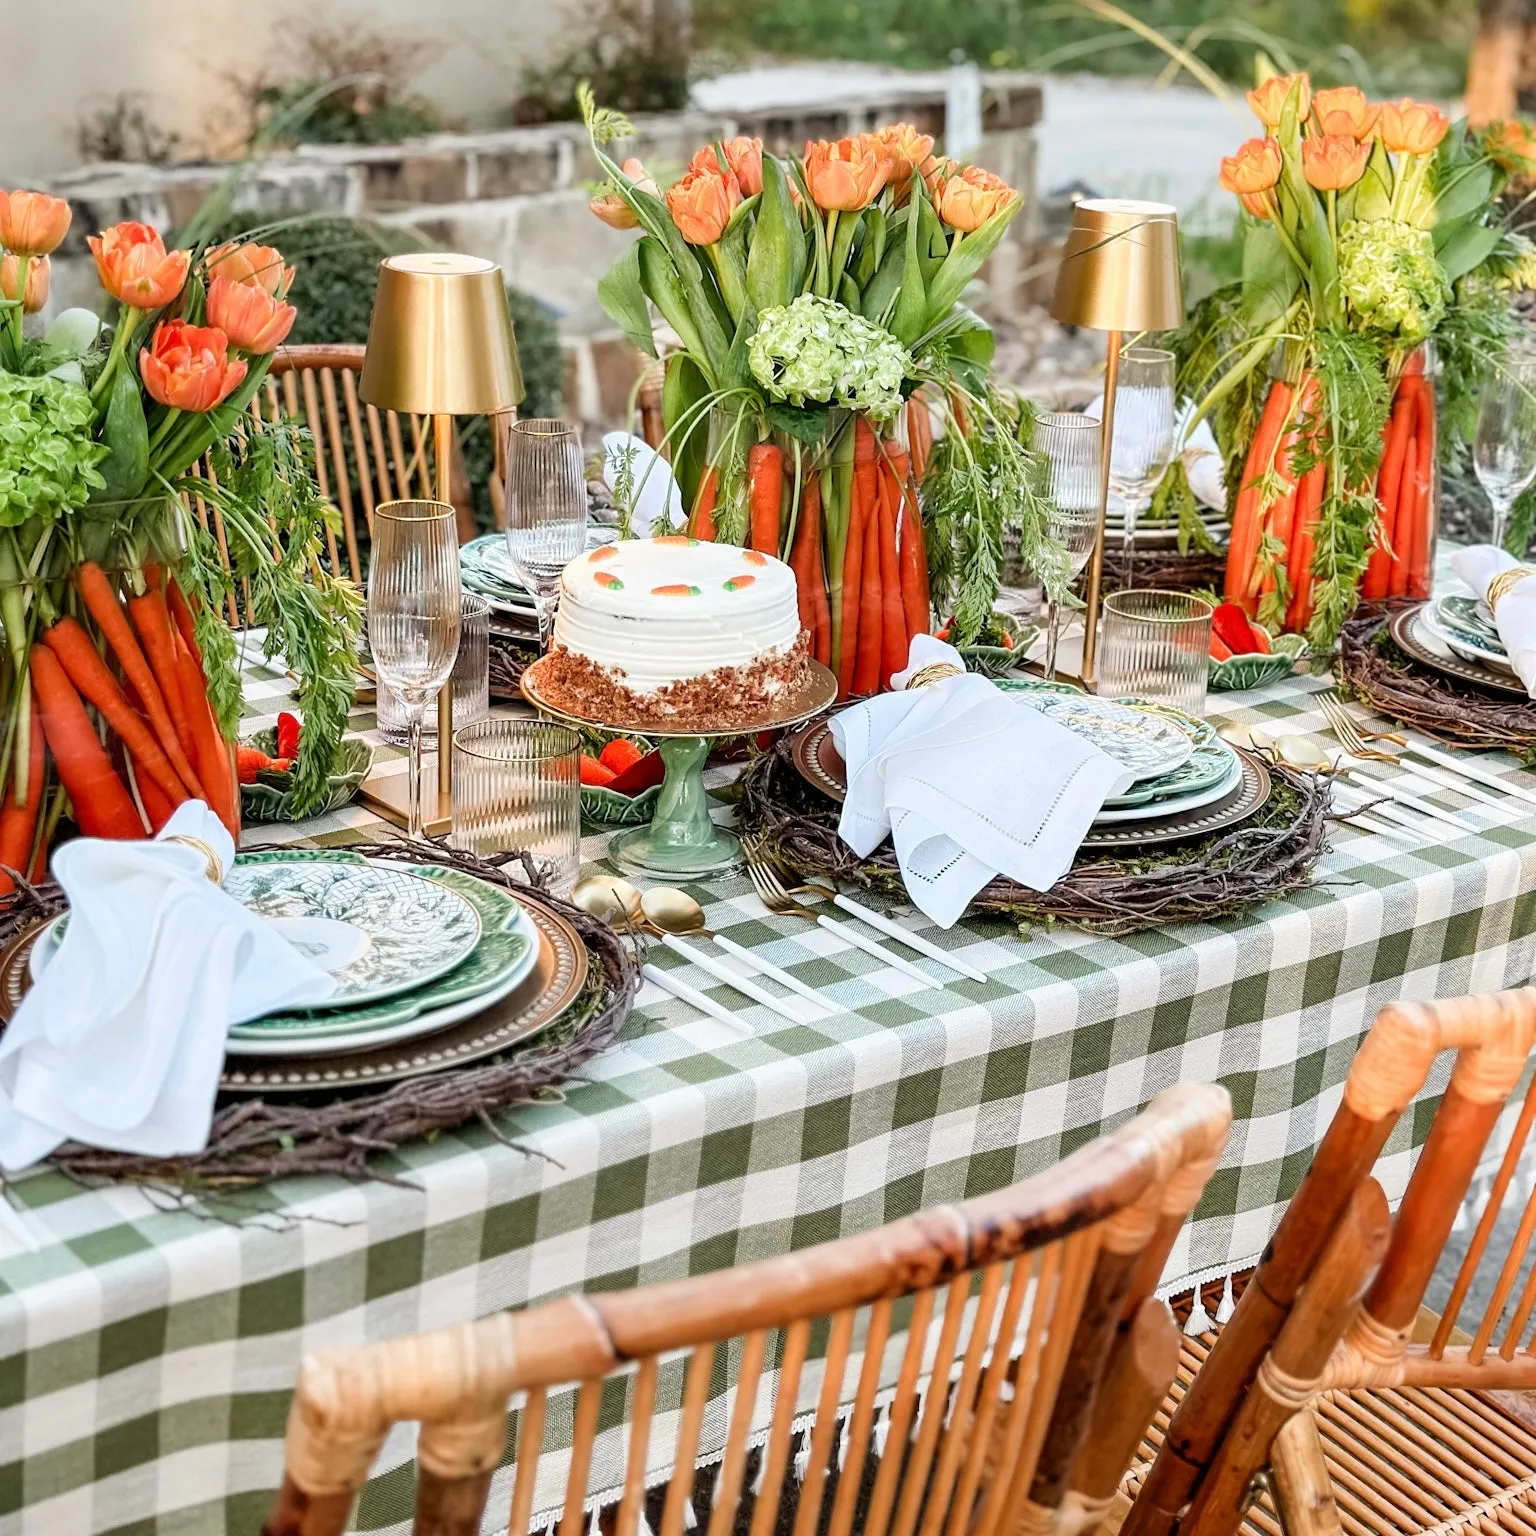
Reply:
x=1120, y=269
x=440, y=342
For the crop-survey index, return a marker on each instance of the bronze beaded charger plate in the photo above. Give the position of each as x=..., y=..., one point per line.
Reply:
x=1415, y=640
x=545, y=993
x=819, y=763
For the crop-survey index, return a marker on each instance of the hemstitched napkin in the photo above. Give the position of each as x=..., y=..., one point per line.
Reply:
x=1514, y=614
x=968, y=783
x=120, y=1042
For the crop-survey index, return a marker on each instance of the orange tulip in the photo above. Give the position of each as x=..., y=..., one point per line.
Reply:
x=743, y=158
x=1412, y=127
x=249, y=316
x=846, y=174
x=261, y=265
x=1268, y=99
x=1333, y=162
x=968, y=200
x=39, y=277
x=32, y=223
x=1255, y=203
x=701, y=205
x=910, y=151
x=1511, y=147
x=1254, y=168
x=935, y=171
x=135, y=267
x=1343, y=109
x=188, y=367
x=612, y=209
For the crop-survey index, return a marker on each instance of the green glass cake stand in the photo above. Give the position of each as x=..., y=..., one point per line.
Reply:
x=681, y=841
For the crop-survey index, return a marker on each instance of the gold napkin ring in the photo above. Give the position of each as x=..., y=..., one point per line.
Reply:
x=215, y=870
x=1499, y=587
x=934, y=672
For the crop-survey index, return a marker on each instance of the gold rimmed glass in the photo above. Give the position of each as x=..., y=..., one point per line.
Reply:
x=517, y=787
x=1155, y=646
x=414, y=608
x=546, y=508
x=1069, y=442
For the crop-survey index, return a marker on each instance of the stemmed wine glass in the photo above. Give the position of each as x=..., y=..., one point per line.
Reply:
x=1145, y=433
x=1504, y=448
x=1070, y=443
x=546, y=509
x=414, y=609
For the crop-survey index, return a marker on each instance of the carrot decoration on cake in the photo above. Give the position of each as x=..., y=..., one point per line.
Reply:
x=608, y=580
x=677, y=589
x=737, y=583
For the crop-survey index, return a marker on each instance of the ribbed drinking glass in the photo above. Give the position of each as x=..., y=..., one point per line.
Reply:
x=414, y=607
x=517, y=787
x=546, y=508
x=1155, y=646
x=471, y=679
x=1070, y=443
x=1146, y=424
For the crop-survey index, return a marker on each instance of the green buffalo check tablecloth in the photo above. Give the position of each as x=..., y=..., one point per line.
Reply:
x=147, y=1354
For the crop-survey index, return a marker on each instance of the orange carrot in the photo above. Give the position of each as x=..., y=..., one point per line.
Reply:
x=870, y=624
x=152, y=620
x=212, y=752
x=765, y=477
x=1388, y=484
x=893, y=619
x=157, y=807
x=919, y=434
x=702, y=524
x=1419, y=575
x=810, y=584
x=103, y=807
x=102, y=604
x=860, y=514
x=1408, y=501
x=18, y=821
x=1309, y=502
x=96, y=685
x=822, y=634
x=913, y=558
x=1246, y=529
x=186, y=619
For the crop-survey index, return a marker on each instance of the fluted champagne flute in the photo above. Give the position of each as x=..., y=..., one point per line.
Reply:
x=1504, y=447
x=414, y=610
x=546, y=509
x=1069, y=443
x=1146, y=429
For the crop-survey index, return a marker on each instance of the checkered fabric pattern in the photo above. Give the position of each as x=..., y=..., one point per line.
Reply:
x=146, y=1355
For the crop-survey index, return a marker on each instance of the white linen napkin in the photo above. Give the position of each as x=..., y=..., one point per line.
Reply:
x=1514, y=615
x=968, y=783
x=120, y=1042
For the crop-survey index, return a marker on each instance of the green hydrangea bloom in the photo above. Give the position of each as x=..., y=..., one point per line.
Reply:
x=47, y=457
x=819, y=351
x=1391, y=277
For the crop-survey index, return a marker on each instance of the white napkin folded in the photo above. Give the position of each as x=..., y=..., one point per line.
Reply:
x=1514, y=615
x=636, y=473
x=968, y=783
x=1204, y=467
x=120, y=1042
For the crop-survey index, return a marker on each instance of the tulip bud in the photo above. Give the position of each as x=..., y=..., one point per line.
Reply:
x=701, y=205
x=135, y=267
x=1411, y=127
x=39, y=277
x=1254, y=168
x=1268, y=99
x=1333, y=162
x=32, y=223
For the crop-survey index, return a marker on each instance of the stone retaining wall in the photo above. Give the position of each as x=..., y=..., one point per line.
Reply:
x=518, y=196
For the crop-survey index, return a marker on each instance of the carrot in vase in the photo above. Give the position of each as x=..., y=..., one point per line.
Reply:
x=1407, y=511
x=919, y=434
x=1309, y=503
x=701, y=525
x=805, y=559
x=102, y=604
x=871, y=629
x=152, y=621
x=912, y=556
x=822, y=634
x=1416, y=555
x=18, y=821
x=95, y=684
x=158, y=808
x=186, y=619
x=103, y=806
x=1388, y=484
x=893, y=619
x=860, y=514
x=1246, y=519
x=765, y=478
x=212, y=751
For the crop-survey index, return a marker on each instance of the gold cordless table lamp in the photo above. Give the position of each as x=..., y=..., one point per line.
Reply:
x=440, y=344
x=1119, y=273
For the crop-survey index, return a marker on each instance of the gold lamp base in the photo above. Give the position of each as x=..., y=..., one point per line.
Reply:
x=389, y=796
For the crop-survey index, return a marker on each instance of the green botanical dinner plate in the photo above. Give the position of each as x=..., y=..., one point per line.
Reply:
x=417, y=928
x=1146, y=742
x=1462, y=618
x=506, y=951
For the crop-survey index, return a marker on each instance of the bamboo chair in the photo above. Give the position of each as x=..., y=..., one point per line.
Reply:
x=1374, y=1417
x=361, y=455
x=1010, y=1435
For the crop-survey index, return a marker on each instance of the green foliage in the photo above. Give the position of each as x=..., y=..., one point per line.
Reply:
x=263, y=486
x=47, y=456
x=1412, y=45
x=619, y=49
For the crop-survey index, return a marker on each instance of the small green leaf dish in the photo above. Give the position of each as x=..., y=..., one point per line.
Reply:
x=602, y=807
x=1256, y=670
x=269, y=798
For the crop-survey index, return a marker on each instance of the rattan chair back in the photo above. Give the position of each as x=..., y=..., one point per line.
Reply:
x=1303, y=1327
x=978, y=1334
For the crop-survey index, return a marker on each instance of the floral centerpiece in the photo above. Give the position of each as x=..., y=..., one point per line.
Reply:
x=118, y=677
x=1373, y=246
x=818, y=303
